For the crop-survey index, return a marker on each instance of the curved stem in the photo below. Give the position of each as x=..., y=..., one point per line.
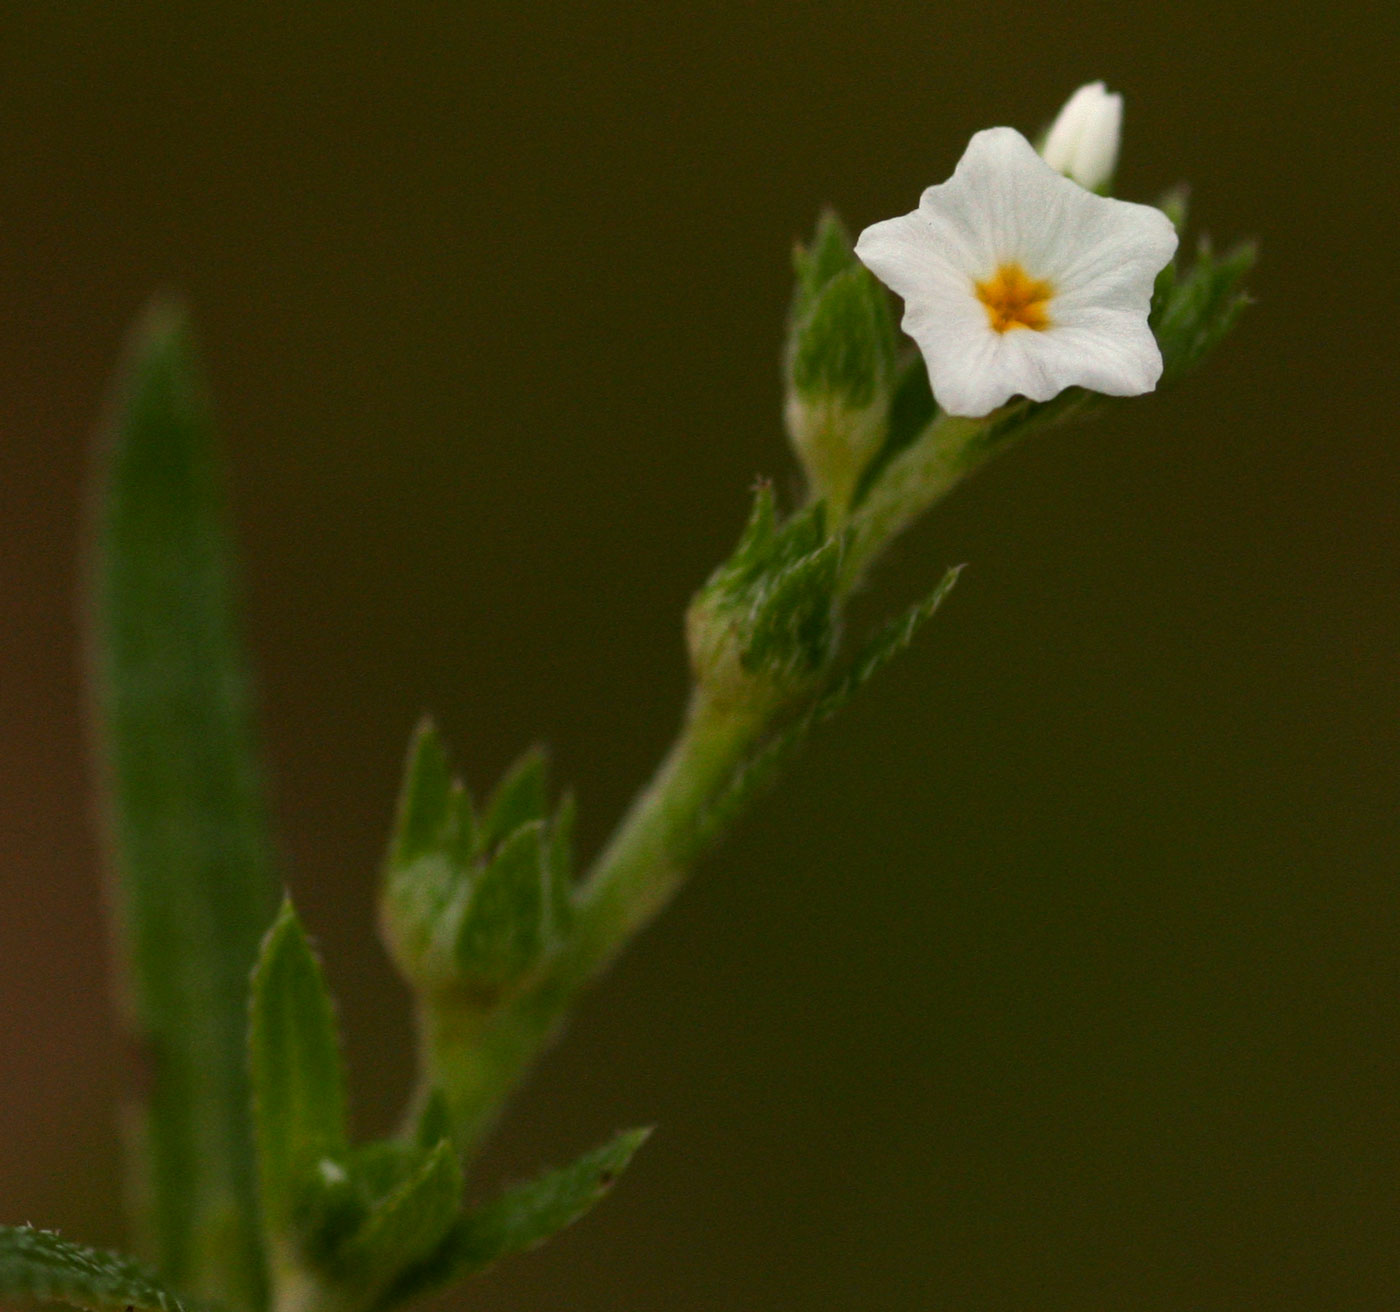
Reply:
x=477, y=1055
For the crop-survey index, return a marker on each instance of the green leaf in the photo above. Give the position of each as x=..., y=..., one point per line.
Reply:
x=893, y=638
x=404, y=1228
x=182, y=799
x=298, y=1083
x=759, y=770
x=37, y=1266
x=521, y=1218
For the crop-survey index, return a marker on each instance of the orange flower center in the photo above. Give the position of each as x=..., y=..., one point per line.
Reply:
x=1014, y=299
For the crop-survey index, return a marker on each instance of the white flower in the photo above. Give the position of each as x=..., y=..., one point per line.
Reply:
x=1083, y=140
x=1016, y=280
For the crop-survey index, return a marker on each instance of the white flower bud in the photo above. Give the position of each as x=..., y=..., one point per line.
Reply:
x=1083, y=141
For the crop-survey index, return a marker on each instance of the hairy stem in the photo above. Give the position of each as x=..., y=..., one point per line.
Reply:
x=477, y=1055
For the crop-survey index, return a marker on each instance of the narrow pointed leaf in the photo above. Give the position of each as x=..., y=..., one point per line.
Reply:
x=434, y=1121
x=561, y=867
x=188, y=849
x=404, y=1228
x=756, y=773
x=37, y=1266
x=888, y=642
x=521, y=1218
x=298, y=1083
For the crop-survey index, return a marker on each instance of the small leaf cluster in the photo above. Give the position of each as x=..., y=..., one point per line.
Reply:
x=344, y=1227
x=765, y=625
x=475, y=902
x=359, y=1228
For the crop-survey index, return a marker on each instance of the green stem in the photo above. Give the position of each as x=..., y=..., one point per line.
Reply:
x=945, y=453
x=662, y=834
x=476, y=1054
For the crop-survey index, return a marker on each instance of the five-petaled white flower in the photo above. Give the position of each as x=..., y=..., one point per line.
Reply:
x=1018, y=281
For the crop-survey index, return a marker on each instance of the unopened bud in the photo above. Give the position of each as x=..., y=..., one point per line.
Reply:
x=1083, y=140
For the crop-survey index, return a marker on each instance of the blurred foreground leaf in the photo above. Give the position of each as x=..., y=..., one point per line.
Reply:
x=188, y=851
x=38, y=1266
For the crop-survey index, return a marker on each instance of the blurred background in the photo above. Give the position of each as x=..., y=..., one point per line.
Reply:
x=1062, y=973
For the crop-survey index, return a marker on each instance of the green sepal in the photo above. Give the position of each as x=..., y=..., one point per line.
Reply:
x=298, y=1081
x=793, y=630
x=521, y=1218
x=470, y=907
x=427, y=872
x=839, y=366
x=521, y=796
x=425, y=801
x=843, y=348
x=815, y=265
x=507, y=926
x=1194, y=308
x=37, y=1266
x=765, y=623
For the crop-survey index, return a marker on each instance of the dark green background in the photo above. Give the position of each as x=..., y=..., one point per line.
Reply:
x=1062, y=974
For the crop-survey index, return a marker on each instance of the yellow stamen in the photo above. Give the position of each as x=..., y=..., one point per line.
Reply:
x=1014, y=299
